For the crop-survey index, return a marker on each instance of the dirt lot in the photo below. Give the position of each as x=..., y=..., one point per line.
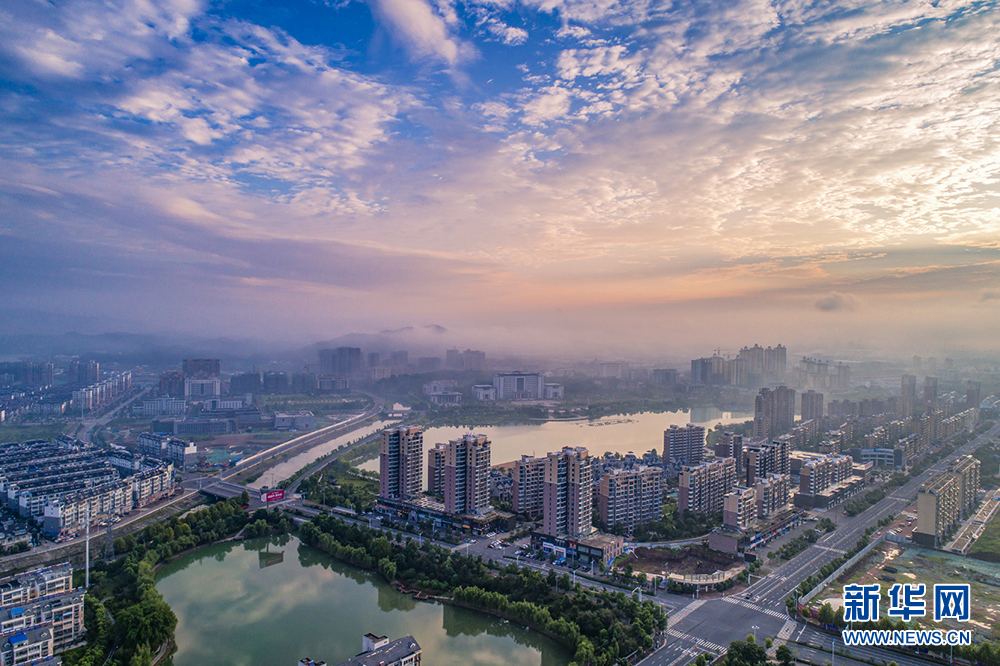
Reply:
x=689, y=560
x=908, y=564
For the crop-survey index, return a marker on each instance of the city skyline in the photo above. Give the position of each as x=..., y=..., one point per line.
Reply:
x=533, y=176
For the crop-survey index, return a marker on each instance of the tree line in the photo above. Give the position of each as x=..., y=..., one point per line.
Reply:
x=600, y=628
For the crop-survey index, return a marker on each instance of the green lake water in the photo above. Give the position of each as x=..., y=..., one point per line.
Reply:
x=272, y=601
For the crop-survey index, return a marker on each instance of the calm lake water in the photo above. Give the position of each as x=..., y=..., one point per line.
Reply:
x=637, y=433
x=273, y=601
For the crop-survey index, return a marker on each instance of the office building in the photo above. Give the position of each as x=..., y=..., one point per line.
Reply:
x=812, y=406
x=518, y=386
x=763, y=458
x=630, y=497
x=703, y=487
x=198, y=390
x=401, y=457
x=201, y=368
x=739, y=509
x=774, y=411
x=380, y=651
x=529, y=486
x=568, y=493
x=684, y=445
x=467, y=475
x=484, y=392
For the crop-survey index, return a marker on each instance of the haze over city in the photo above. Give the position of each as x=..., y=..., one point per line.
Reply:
x=621, y=177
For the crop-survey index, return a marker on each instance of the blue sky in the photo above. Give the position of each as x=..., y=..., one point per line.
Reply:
x=542, y=174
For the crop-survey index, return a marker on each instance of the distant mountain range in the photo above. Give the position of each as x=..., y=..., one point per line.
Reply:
x=161, y=351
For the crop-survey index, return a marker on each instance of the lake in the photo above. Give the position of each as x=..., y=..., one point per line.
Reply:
x=273, y=601
x=637, y=433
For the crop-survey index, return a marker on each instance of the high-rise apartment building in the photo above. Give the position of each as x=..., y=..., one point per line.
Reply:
x=568, y=493
x=943, y=501
x=529, y=485
x=684, y=445
x=703, y=487
x=812, y=406
x=172, y=383
x=453, y=359
x=763, y=458
x=401, y=457
x=773, y=494
x=473, y=360
x=435, y=469
x=966, y=470
x=973, y=394
x=930, y=389
x=730, y=445
x=85, y=373
x=739, y=508
x=201, y=368
x=774, y=411
x=908, y=395
x=467, y=475
x=630, y=497
x=341, y=362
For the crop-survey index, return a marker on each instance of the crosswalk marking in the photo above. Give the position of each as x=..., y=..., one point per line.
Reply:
x=760, y=609
x=684, y=612
x=700, y=642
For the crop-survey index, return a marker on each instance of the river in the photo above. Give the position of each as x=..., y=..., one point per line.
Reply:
x=285, y=469
x=273, y=601
x=636, y=432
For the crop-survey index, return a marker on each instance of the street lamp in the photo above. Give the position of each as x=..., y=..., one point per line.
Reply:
x=755, y=628
x=833, y=652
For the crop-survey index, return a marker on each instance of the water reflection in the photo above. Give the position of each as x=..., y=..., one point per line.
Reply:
x=232, y=612
x=637, y=433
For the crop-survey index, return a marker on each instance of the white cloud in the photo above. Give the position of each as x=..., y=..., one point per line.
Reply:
x=424, y=32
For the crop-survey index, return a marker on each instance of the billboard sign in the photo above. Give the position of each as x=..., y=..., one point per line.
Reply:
x=272, y=496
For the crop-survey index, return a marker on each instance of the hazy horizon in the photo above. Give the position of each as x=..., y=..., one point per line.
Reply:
x=622, y=177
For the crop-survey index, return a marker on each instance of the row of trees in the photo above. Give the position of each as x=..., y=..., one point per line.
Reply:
x=599, y=627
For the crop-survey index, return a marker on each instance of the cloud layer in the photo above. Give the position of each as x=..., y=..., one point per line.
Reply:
x=483, y=164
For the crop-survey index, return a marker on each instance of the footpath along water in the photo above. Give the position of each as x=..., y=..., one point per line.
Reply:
x=636, y=432
x=275, y=600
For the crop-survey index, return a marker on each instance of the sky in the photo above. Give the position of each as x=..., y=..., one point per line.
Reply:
x=623, y=176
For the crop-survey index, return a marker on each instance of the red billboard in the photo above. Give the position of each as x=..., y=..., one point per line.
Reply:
x=272, y=496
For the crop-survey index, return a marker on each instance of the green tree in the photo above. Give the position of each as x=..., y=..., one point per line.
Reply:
x=768, y=642
x=826, y=614
x=143, y=656
x=785, y=655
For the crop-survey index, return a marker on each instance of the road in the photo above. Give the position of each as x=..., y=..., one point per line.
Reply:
x=712, y=624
